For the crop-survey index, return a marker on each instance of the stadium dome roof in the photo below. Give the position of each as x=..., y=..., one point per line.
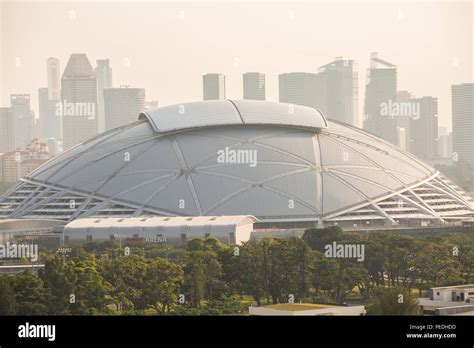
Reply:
x=276, y=161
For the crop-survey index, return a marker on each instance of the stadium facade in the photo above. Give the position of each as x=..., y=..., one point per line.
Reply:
x=279, y=162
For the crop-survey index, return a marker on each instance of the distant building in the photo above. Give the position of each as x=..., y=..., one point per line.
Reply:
x=42, y=231
x=103, y=72
x=7, y=130
x=49, y=121
x=122, y=105
x=20, y=163
x=151, y=104
x=54, y=85
x=254, y=86
x=78, y=101
x=380, y=94
x=402, y=138
x=404, y=99
x=24, y=119
x=337, y=95
x=213, y=87
x=463, y=122
x=449, y=300
x=298, y=88
x=44, y=110
x=54, y=146
x=445, y=143
x=424, y=129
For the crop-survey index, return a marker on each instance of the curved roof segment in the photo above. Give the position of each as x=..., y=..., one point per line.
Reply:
x=161, y=221
x=215, y=113
x=237, y=158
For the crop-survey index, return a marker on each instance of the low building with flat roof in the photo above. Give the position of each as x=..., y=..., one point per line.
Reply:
x=40, y=231
x=449, y=300
x=305, y=309
x=19, y=268
x=161, y=229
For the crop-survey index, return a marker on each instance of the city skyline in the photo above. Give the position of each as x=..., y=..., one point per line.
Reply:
x=389, y=113
x=143, y=63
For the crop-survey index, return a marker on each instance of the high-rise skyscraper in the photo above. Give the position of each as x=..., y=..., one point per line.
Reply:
x=445, y=143
x=254, y=86
x=24, y=119
x=53, y=71
x=380, y=94
x=404, y=99
x=7, y=130
x=123, y=105
x=49, y=121
x=103, y=72
x=337, y=94
x=213, y=86
x=78, y=101
x=298, y=88
x=424, y=129
x=463, y=122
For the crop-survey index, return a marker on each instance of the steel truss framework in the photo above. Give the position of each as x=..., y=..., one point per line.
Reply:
x=435, y=198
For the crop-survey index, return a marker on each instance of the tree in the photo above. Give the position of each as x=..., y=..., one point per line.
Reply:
x=162, y=284
x=275, y=267
x=207, y=244
x=7, y=296
x=126, y=275
x=54, y=278
x=462, y=250
x=248, y=270
x=374, y=262
x=318, y=238
x=90, y=291
x=280, y=270
x=225, y=305
x=324, y=273
x=202, y=275
x=435, y=264
x=31, y=296
x=288, y=270
x=336, y=277
x=301, y=258
x=350, y=273
x=398, y=259
x=390, y=258
x=394, y=301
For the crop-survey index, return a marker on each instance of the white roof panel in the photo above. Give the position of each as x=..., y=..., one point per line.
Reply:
x=193, y=115
x=213, y=113
x=261, y=112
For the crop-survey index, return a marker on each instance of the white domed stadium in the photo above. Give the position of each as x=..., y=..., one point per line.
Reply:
x=279, y=162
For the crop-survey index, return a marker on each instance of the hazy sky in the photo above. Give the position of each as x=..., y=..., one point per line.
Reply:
x=170, y=45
